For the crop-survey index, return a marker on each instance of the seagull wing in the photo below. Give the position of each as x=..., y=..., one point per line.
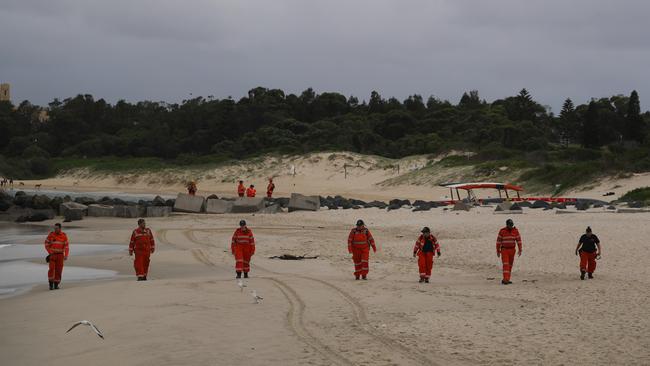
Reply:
x=97, y=330
x=74, y=326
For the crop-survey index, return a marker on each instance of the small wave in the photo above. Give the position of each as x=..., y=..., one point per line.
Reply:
x=5, y=245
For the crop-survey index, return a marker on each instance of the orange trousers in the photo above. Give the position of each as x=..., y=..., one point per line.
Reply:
x=243, y=254
x=508, y=259
x=588, y=262
x=360, y=258
x=425, y=263
x=141, y=262
x=56, y=267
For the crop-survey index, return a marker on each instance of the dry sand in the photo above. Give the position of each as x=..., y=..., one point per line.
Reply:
x=191, y=312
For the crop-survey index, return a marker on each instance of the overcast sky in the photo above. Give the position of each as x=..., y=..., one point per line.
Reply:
x=164, y=50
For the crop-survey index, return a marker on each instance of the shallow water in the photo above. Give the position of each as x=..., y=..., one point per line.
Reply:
x=17, y=275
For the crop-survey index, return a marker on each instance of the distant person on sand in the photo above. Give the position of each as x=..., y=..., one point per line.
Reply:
x=424, y=249
x=241, y=190
x=360, y=241
x=191, y=188
x=589, y=250
x=242, y=247
x=58, y=249
x=143, y=245
x=250, y=192
x=270, y=188
x=507, y=241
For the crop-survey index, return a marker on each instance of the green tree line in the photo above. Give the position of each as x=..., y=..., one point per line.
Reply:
x=269, y=120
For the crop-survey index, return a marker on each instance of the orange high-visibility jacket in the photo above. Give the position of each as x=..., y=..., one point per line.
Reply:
x=359, y=237
x=270, y=188
x=142, y=239
x=57, y=243
x=241, y=237
x=419, y=244
x=508, y=238
x=241, y=189
x=250, y=192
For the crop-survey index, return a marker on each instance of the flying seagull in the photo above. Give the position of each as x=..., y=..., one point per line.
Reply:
x=258, y=299
x=241, y=285
x=91, y=325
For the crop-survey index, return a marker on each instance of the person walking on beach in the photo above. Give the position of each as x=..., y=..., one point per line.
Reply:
x=191, y=188
x=360, y=241
x=507, y=241
x=58, y=249
x=241, y=190
x=270, y=188
x=250, y=192
x=589, y=250
x=143, y=245
x=424, y=249
x=242, y=247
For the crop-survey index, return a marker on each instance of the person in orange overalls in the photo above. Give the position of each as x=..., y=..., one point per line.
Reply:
x=58, y=249
x=424, y=248
x=241, y=190
x=250, y=192
x=360, y=241
x=191, y=188
x=270, y=188
x=242, y=247
x=589, y=250
x=507, y=240
x=143, y=245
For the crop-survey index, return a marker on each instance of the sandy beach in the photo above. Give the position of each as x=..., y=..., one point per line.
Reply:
x=314, y=312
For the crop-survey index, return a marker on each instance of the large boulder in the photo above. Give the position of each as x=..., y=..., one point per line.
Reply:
x=23, y=200
x=273, y=209
x=298, y=202
x=158, y=211
x=37, y=215
x=97, y=210
x=583, y=205
x=217, y=206
x=377, y=204
x=515, y=207
x=41, y=201
x=188, y=203
x=72, y=206
x=129, y=212
x=6, y=201
x=503, y=206
x=281, y=201
x=158, y=201
x=523, y=204
x=73, y=215
x=461, y=206
x=85, y=200
x=540, y=204
x=247, y=204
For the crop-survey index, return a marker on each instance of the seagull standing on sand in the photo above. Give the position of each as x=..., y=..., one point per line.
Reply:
x=91, y=325
x=241, y=285
x=258, y=299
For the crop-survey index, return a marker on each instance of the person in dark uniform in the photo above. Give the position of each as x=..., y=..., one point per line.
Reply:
x=589, y=250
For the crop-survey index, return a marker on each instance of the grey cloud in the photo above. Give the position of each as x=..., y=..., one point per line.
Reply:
x=164, y=50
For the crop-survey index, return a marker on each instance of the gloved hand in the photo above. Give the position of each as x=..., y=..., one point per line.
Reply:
x=519, y=253
x=438, y=254
x=152, y=250
x=65, y=258
x=415, y=254
x=498, y=255
x=374, y=250
x=130, y=252
x=577, y=252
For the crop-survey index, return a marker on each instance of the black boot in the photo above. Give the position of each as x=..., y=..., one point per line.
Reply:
x=504, y=282
x=582, y=275
x=51, y=285
x=363, y=277
x=238, y=274
x=144, y=278
x=245, y=274
x=421, y=279
x=356, y=277
x=56, y=285
x=426, y=280
x=590, y=275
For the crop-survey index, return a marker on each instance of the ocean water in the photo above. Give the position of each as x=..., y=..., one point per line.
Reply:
x=23, y=265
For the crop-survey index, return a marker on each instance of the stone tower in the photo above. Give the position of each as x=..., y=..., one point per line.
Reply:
x=5, y=92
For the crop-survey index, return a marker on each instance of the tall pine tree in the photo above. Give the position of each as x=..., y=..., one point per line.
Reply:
x=590, y=126
x=568, y=121
x=633, y=120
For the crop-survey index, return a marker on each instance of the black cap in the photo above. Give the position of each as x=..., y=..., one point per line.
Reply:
x=509, y=223
x=426, y=229
x=140, y=221
x=360, y=222
x=588, y=229
x=242, y=222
